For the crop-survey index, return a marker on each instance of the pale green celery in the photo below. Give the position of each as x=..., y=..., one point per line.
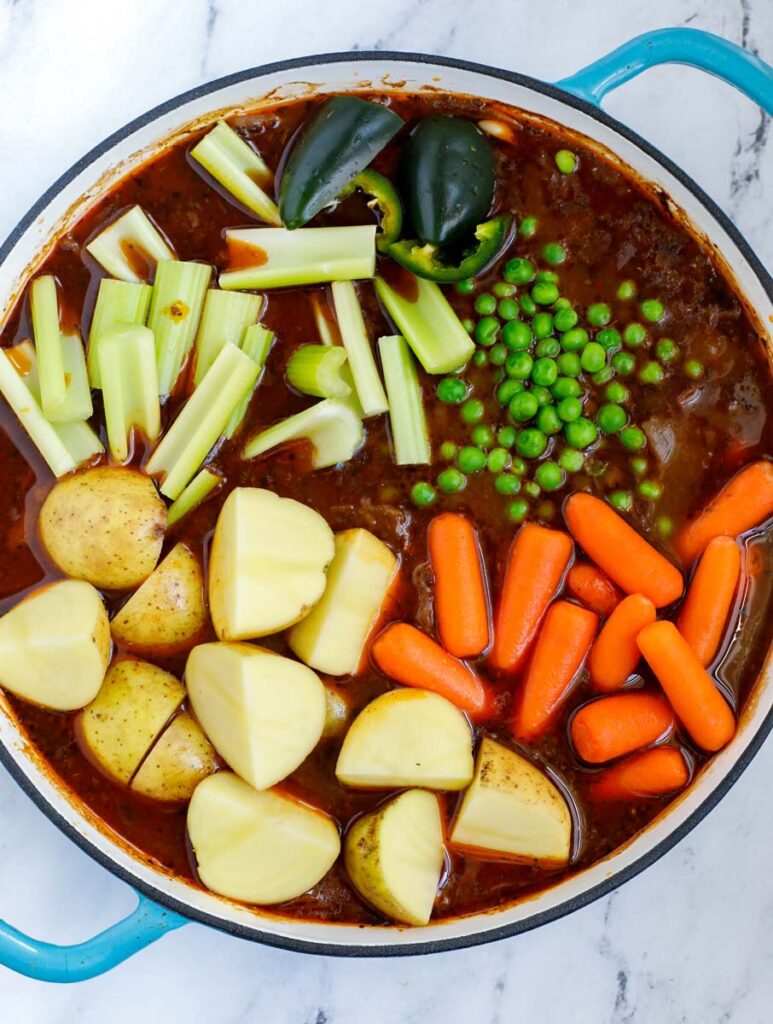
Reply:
x=303, y=256
x=362, y=363
x=130, y=247
x=239, y=169
x=408, y=423
x=428, y=324
x=316, y=370
x=332, y=426
x=203, y=419
x=223, y=319
x=327, y=328
x=118, y=302
x=197, y=491
x=175, y=309
x=77, y=403
x=44, y=307
x=127, y=366
x=256, y=342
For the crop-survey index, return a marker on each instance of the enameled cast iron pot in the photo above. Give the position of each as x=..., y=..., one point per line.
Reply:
x=165, y=902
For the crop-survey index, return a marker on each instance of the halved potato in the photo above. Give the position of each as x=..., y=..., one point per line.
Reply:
x=268, y=562
x=167, y=613
x=394, y=856
x=263, y=713
x=122, y=723
x=512, y=810
x=258, y=847
x=332, y=636
x=337, y=712
x=181, y=757
x=407, y=737
x=55, y=646
x=105, y=525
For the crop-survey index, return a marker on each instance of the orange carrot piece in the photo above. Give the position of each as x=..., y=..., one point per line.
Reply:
x=412, y=658
x=461, y=602
x=624, y=555
x=617, y=725
x=743, y=503
x=652, y=773
x=709, y=598
x=590, y=586
x=698, y=704
x=535, y=565
x=615, y=654
x=559, y=652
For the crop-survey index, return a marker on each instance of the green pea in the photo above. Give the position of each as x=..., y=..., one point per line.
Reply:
x=518, y=467
x=599, y=314
x=451, y=481
x=485, y=304
x=571, y=460
x=479, y=358
x=593, y=357
x=651, y=373
x=664, y=525
x=507, y=484
x=482, y=436
x=548, y=420
x=508, y=309
x=580, y=433
x=603, y=375
x=519, y=365
x=497, y=354
x=639, y=465
x=544, y=293
x=652, y=310
x=517, y=335
x=507, y=389
x=633, y=439
x=542, y=324
x=518, y=271
x=470, y=459
x=666, y=350
x=621, y=500
x=547, y=277
x=423, y=494
x=610, y=338
x=617, y=392
x=498, y=460
x=528, y=227
x=566, y=161
x=466, y=286
x=486, y=330
x=523, y=407
x=506, y=436
x=566, y=387
x=546, y=510
x=554, y=254
x=448, y=451
x=532, y=488
x=531, y=443
x=693, y=368
x=544, y=372
x=562, y=303
x=472, y=411
x=611, y=418
x=569, y=364
x=569, y=409
x=452, y=390
x=575, y=339
x=503, y=289
x=549, y=347
x=623, y=363
x=517, y=510
x=634, y=335
x=626, y=291
x=468, y=325
x=528, y=305
x=650, y=489
x=565, y=319
x=542, y=395
x=550, y=476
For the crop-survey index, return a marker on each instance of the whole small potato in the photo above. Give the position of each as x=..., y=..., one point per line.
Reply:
x=105, y=525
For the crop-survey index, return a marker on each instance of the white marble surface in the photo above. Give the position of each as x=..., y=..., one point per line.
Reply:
x=690, y=941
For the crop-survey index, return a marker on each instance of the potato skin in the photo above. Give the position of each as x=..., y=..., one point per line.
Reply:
x=105, y=525
x=181, y=757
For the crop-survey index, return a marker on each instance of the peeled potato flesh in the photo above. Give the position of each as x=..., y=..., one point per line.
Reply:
x=181, y=757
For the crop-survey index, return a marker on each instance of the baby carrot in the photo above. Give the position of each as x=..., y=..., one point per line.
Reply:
x=559, y=652
x=652, y=773
x=615, y=653
x=535, y=565
x=698, y=704
x=744, y=502
x=412, y=658
x=620, y=551
x=617, y=725
x=461, y=603
x=709, y=598
x=590, y=586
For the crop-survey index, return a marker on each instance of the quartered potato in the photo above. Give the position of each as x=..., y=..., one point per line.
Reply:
x=122, y=723
x=267, y=565
x=180, y=759
x=407, y=737
x=332, y=636
x=337, y=712
x=258, y=847
x=105, y=525
x=394, y=856
x=512, y=810
x=263, y=713
x=55, y=646
x=168, y=612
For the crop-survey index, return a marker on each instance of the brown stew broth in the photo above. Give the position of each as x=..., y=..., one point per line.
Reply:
x=612, y=230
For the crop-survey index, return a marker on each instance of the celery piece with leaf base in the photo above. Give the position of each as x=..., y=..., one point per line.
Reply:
x=130, y=247
x=332, y=427
x=239, y=169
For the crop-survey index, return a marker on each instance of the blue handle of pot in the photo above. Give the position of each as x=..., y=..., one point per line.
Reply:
x=45, y=961
x=690, y=46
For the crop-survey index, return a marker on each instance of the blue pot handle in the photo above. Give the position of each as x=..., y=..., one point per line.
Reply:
x=702, y=50
x=44, y=961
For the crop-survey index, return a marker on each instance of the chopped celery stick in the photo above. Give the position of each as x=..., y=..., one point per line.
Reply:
x=118, y=302
x=77, y=403
x=351, y=323
x=203, y=418
x=276, y=257
x=332, y=426
x=127, y=366
x=130, y=247
x=256, y=342
x=197, y=491
x=406, y=409
x=224, y=317
x=175, y=309
x=239, y=169
x=428, y=323
x=316, y=370
x=324, y=318
x=44, y=307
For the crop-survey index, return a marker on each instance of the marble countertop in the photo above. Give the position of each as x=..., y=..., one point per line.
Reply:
x=688, y=942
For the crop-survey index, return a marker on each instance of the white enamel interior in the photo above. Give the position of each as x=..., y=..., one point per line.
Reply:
x=340, y=76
